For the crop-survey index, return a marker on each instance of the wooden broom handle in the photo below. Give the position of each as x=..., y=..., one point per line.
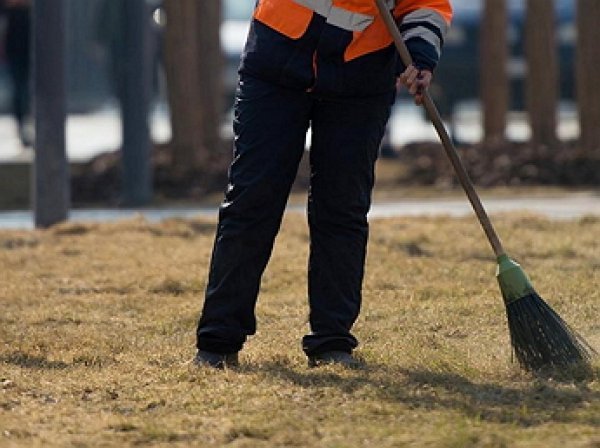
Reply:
x=436, y=120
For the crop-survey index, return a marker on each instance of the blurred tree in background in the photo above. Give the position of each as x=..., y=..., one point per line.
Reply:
x=588, y=74
x=542, y=73
x=186, y=48
x=494, y=78
x=193, y=65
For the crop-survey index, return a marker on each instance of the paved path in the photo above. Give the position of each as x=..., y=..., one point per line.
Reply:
x=566, y=207
x=87, y=135
x=90, y=134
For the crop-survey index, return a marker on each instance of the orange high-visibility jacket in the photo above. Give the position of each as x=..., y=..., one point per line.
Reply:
x=424, y=19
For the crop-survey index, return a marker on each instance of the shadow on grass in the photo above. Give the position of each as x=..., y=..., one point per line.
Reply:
x=27, y=361
x=540, y=402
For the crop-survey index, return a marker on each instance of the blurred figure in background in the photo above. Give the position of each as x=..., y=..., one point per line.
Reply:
x=109, y=35
x=17, y=14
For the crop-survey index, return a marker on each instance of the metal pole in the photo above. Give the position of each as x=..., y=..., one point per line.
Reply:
x=51, y=195
x=137, y=171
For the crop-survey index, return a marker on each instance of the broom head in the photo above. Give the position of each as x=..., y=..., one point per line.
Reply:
x=539, y=336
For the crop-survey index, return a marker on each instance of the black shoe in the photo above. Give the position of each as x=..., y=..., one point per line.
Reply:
x=216, y=360
x=334, y=357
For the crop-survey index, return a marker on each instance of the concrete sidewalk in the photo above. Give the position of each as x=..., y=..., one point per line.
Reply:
x=90, y=134
x=570, y=206
x=87, y=135
x=566, y=207
x=99, y=131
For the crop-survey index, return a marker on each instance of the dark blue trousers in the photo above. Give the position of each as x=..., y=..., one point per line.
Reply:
x=270, y=126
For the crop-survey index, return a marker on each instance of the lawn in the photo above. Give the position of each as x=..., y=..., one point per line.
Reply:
x=97, y=331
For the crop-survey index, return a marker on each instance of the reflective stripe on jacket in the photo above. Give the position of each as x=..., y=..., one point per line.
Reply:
x=424, y=19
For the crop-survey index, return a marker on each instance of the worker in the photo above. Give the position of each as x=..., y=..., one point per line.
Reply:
x=331, y=66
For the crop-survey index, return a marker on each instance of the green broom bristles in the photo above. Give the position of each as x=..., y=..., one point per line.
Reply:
x=541, y=338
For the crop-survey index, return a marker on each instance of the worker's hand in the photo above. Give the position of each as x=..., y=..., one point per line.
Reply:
x=416, y=81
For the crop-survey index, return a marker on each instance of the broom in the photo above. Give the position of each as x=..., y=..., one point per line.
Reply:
x=539, y=336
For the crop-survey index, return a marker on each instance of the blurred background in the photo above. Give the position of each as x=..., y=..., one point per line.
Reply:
x=516, y=88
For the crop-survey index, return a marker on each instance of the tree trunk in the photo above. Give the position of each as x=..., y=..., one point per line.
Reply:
x=494, y=78
x=542, y=73
x=588, y=74
x=193, y=62
x=210, y=64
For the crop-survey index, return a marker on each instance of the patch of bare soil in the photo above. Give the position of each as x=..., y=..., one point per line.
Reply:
x=505, y=164
x=419, y=164
x=100, y=180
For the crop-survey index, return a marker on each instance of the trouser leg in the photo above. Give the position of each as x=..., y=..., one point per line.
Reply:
x=346, y=138
x=270, y=126
x=21, y=97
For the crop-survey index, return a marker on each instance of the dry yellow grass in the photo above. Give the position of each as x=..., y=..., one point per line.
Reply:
x=97, y=330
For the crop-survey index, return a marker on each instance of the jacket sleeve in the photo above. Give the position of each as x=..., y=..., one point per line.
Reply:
x=424, y=24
